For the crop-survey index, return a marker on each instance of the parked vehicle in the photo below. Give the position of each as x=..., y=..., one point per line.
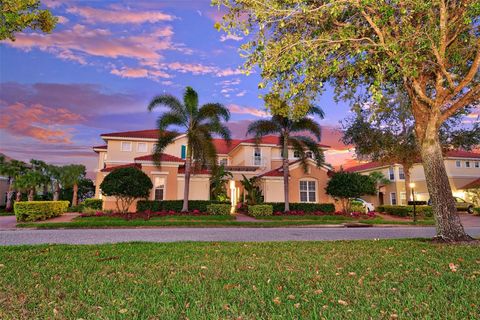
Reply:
x=461, y=205
x=369, y=207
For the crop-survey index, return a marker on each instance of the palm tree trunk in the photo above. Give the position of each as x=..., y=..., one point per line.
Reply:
x=8, y=205
x=18, y=196
x=30, y=194
x=56, y=193
x=75, y=195
x=186, y=189
x=408, y=192
x=285, y=172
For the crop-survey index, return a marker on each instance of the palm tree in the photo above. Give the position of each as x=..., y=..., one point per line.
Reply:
x=284, y=127
x=218, y=183
x=12, y=169
x=199, y=123
x=70, y=177
x=29, y=182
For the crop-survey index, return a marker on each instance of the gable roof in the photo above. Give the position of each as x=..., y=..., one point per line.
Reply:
x=366, y=166
x=278, y=172
x=462, y=154
x=163, y=157
x=148, y=134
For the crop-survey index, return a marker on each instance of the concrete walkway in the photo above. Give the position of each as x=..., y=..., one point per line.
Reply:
x=97, y=236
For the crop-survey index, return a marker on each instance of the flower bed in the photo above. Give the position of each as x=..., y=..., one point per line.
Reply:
x=359, y=215
x=145, y=215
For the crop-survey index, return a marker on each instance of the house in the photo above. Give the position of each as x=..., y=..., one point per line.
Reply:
x=463, y=169
x=241, y=157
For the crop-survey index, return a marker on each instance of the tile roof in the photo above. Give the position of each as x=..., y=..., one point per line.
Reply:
x=223, y=148
x=278, y=172
x=110, y=169
x=163, y=157
x=273, y=140
x=181, y=169
x=148, y=134
x=462, y=154
x=472, y=185
x=366, y=166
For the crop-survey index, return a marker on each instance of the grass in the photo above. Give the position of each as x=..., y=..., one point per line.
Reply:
x=408, y=279
x=208, y=221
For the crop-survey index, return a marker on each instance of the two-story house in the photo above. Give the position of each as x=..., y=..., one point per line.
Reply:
x=241, y=157
x=463, y=168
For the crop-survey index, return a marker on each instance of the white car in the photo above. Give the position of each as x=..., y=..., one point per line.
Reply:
x=369, y=207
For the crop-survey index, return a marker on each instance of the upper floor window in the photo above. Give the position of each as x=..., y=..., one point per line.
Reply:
x=223, y=162
x=309, y=154
x=458, y=164
x=477, y=164
x=184, y=152
x=126, y=146
x=296, y=154
x=391, y=173
x=141, y=147
x=257, y=157
x=308, y=191
x=401, y=173
x=467, y=164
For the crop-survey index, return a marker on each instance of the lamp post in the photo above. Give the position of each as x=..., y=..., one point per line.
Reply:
x=412, y=186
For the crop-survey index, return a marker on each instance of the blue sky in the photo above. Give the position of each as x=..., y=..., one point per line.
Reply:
x=105, y=60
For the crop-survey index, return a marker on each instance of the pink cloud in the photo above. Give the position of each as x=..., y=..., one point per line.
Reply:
x=225, y=37
x=235, y=108
x=140, y=73
x=39, y=122
x=119, y=15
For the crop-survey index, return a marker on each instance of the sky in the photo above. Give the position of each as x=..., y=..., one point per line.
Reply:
x=97, y=71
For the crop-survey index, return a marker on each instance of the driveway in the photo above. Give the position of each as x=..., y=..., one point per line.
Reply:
x=97, y=236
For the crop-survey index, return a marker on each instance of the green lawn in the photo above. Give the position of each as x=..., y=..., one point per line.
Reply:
x=408, y=279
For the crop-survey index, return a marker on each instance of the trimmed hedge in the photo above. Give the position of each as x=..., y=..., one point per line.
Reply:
x=93, y=203
x=219, y=209
x=260, y=210
x=405, y=211
x=39, y=210
x=175, y=205
x=303, y=206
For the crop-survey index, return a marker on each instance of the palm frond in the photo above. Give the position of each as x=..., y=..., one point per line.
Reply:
x=308, y=125
x=190, y=100
x=299, y=147
x=316, y=111
x=164, y=139
x=213, y=111
x=168, y=101
x=168, y=119
x=262, y=128
x=311, y=145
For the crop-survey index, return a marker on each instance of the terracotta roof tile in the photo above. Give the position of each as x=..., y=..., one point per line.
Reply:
x=163, y=157
x=110, y=169
x=472, y=185
x=366, y=166
x=462, y=154
x=148, y=134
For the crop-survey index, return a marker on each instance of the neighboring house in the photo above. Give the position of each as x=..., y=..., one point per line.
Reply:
x=463, y=168
x=241, y=157
x=4, y=184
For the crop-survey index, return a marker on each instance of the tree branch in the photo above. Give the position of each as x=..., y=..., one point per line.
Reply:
x=469, y=97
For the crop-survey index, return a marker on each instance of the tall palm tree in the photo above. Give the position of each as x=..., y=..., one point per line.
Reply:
x=200, y=124
x=12, y=169
x=289, y=133
x=70, y=177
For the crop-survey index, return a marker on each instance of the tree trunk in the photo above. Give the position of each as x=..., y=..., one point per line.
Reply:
x=408, y=192
x=186, y=189
x=449, y=226
x=18, y=196
x=31, y=193
x=56, y=192
x=75, y=195
x=285, y=173
x=8, y=205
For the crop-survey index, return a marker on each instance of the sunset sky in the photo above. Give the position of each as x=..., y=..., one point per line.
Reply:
x=102, y=64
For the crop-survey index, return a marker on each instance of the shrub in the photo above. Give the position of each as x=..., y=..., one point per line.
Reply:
x=405, y=211
x=175, y=205
x=39, y=210
x=260, y=210
x=93, y=203
x=357, y=207
x=476, y=211
x=347, y=185
x=303, y=206
x=77, y=208
x=217, y=209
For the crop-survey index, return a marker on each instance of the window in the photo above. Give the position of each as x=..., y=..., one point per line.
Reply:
x=403, y=198
x=159, y=189
x=477, y=164
x=307, y=191
x=309, y=154
x=458, y=164
x=401, y=173
x=141, y=147
x=296, y=154
x=223, y=162
x=391, y=173
x=257, y=157
x=126, y=146
x=393, y=198
x=467, y=164
x=184, y=152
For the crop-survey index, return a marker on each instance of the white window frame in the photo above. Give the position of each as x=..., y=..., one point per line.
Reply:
x=158, y=186
x=255, y=157
x=391, y=173
x=223, y=161
x=403, y=196
x=394, y=197
x=123, y=144
x=307, y=191
x=142, y=144
x=309, y=154
x=477, y=164
x=296, y=154
x=468, y=164
x=458, y=164
x=401, y=173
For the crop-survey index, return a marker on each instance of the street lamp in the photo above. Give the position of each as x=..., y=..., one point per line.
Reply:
x=412, y=186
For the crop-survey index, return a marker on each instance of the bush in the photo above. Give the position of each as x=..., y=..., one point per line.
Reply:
x=260, y=210
x=405, y=211
x=39, y=210
x=217, y=209
x=78, y=208
x=357, y=207
x=476, y=211
x=303, y=206
x=175, y=205
x=93, y=203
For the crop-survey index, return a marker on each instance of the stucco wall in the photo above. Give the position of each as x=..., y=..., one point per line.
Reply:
x=199, y=188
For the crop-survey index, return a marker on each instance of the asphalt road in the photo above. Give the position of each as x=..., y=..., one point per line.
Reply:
x=97, y=236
